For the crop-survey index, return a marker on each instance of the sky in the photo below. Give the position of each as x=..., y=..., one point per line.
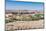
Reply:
x=18, y=5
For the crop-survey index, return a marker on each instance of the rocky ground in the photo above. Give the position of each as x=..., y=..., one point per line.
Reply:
x=22, y=25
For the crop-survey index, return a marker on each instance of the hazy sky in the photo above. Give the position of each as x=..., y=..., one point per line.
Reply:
x=16, y=5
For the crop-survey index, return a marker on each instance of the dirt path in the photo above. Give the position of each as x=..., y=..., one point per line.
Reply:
x=24, y=25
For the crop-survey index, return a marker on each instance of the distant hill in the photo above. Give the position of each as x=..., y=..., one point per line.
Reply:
x=23, y=11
